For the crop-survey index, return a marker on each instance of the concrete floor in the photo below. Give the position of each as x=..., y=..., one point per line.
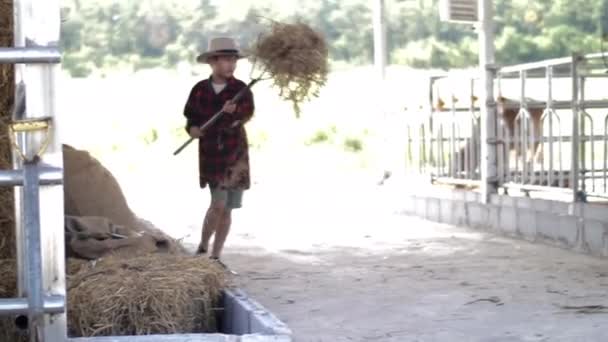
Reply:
x=334, y=259
x=367, y=273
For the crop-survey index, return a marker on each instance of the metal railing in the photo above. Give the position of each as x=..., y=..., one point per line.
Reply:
x=445, y=142
x=551, y=132
x=37, y=172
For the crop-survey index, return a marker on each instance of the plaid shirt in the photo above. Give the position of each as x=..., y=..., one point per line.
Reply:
x=223, y=148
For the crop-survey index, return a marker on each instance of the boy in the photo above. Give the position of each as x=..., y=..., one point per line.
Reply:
x=223, y=147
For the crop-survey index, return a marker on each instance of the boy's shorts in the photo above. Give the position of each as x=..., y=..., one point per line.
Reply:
x=233, y=199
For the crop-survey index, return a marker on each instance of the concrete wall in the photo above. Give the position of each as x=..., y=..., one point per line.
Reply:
x=581, y=227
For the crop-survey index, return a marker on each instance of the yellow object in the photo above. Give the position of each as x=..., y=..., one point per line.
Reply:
x=27, y=126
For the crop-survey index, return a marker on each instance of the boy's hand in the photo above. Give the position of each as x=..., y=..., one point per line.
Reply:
x=195, y=132
x=229, y=107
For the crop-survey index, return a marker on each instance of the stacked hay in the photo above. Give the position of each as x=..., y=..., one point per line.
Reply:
x=7, y=225
x=132, y=291
x=296, y=57
x=153, y=294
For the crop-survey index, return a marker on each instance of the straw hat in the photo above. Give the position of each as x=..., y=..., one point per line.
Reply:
x=221, y=46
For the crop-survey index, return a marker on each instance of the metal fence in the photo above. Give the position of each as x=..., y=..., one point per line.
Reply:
x=551, y=131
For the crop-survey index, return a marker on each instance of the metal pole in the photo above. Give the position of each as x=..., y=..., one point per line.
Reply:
x=380, y=61
x=487, y=105
x=30, y=55
x=550, y=115
x=20, y=306
x=31, y=211
x=380, y=50
x=47, y=176
x=575, y=131
x=37, y=24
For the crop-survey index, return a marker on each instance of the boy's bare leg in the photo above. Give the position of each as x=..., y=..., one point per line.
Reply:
x=221, y=233
x=212, y=220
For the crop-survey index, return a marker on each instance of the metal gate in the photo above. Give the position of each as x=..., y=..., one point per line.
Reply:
x=551, y=132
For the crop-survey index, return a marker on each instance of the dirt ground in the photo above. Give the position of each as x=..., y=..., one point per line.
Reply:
x=335, y=260
x=346, y=270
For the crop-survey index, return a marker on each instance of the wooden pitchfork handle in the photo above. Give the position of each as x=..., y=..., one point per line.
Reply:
x=217, y=115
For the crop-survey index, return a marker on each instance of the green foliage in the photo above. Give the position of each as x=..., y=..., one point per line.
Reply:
x=352, y=144
x=319, y=137
x=103, y=34
x=150, y=137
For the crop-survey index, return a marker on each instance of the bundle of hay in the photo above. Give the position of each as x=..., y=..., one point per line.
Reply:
x=8, y=289
x=153, y=294
x=295, y=57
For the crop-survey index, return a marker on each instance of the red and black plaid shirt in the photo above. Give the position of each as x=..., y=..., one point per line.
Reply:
x=224, y=143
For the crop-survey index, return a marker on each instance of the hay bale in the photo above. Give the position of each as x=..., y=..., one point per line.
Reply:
x=7, y=84
x=154, y=294
x=74, y=265
x=8, y=289
x=146, y=295
x=296, y=58
x=8, y=285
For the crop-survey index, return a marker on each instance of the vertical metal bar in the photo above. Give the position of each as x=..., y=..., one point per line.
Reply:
x=589, y=173
x=532, y=142
x=487, y=103
x=471, y=142
x=500, y=164
x=590, y=139
x=441, y=152
x=582, y=133
x=605, y=171
x=421, y=161
x=523, y=111
x=453, y=157
x=380, y=50
x=37, y=23
x=593, y=180
x=574, y=169
x=477, y=150
x=431, y=121
x=550, y=112
x=31, y=210
x=438, y=144
x=431, y=142
x=562, y=177
x=507, y=150
x=459, y=155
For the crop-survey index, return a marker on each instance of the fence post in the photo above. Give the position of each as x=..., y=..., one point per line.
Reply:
x=489, y=179
x=574, y=176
